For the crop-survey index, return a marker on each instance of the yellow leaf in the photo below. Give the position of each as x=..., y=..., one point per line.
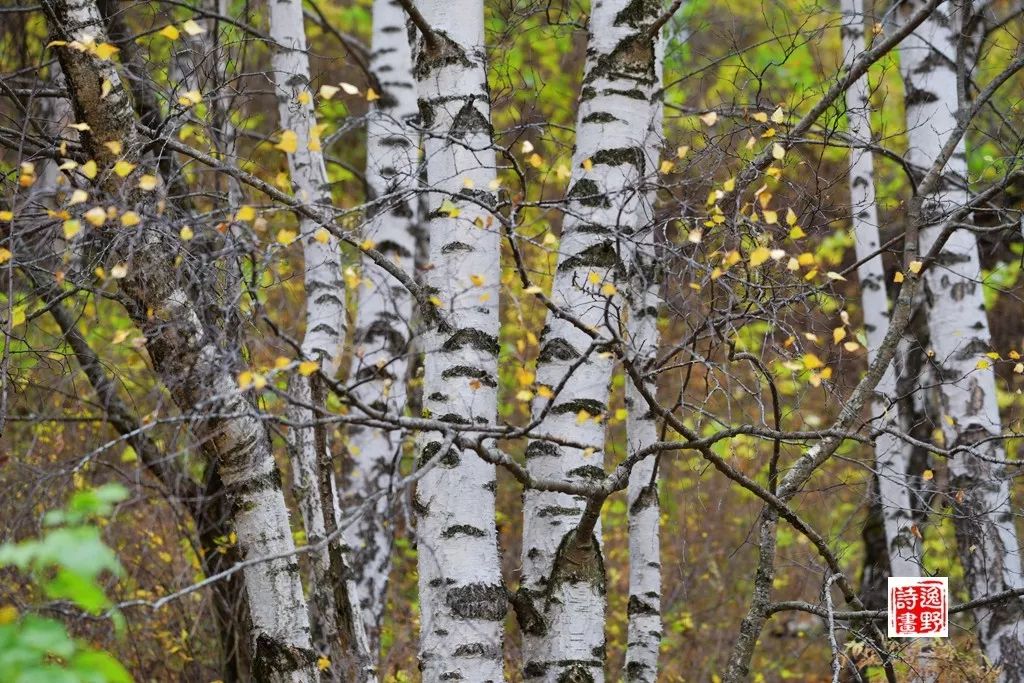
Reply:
x=322, y=236
x=5, y=255
x=56, y=43
x=245, y=379
x=710, y=118
x=666, y=166
x=449, y=209
x=352, y=279
x=770, y=217
x=898, y=277
x=130, y=219
x=323, y=664
x=123, y=168
x=729, y=185
x=832, y=275
x=527, y=147
x=371, y=95
x=582, y=417
x=245, y=213
x=524, y=395
x=682, y=151
x=915, y=267
x=791, y=220
x=147, y=183
x=304, y=97
x=286, y=236
x=289, y=142
x=328, y=91
x=186, y=233
x=78, y=197
x=759, y=256
x=544, y=391
x=838, y=335
x=533, y=289
x=367, y=244
x=982, y=364
x=435, y=300
x=170, y=32
x=587, y=164
x=777, y=116
x=536, y=160
x=806, y=259
x=114, y=146
x=349, y=88
x=120, y=336
x=778, y=152
x=192, y=28
x=812, y=362
x=608, y=289
x=796, y=232
x=119, y=271
x=308, y=367
x=6, y=216
x=281, y=362
x=477, y=280
x=17, y=316
x=593, y=278
x=105, y=51
x=927, y=475
x=71, y=228
x=792, y=264
x=1019, y=368
x=851, y=346
x=190, y=98
x=89, y=169
x=761, y=117
x=1013, y=355
x=96, y=216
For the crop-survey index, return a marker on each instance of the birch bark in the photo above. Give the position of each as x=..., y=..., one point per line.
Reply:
x=325, y=299
x=892, y=455
x=462, y=598
x=563, y=583
x=382, y=334
x=979, y=485
x=644, y=629
x=188, y=362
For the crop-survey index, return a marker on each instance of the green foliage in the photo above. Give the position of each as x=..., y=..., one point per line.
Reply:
x=66, y=563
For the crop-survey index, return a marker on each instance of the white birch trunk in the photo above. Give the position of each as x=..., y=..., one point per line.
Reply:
x=892, y=455
x=382, y=333
x=644, y=629
x=980, y=489
x=192, y=367
x=337, y=624
x=563, y=583
x=462, y=598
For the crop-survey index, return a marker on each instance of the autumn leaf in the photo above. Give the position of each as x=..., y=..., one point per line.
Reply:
x=328, y=91
x=710, y=118
x=147, y=183
x=245, y=213
x=308, y=367
x=192, y=28
x=90, y=169
x=289, y=142
x=186, y=233
x=170, y=32
x=286, y=236
x=759, y=256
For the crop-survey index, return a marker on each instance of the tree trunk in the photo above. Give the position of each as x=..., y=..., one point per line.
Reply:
x=323, y=342
x=979, y=483
x=462, y=598
x=382, y=335
x=563, y=582
x=892, y=455
x=644, y=630
x=189, y=364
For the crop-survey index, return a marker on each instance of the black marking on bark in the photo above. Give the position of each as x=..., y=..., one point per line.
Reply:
x=272, y=657
x=648, y=497
x=468, y=371
x=573, y=407
x=619, y=156
x=452, y=247
x=638, y=606
x=557, y=511
x=462, y=530
x=537, y=449
x=454, y=418
x=587, y=472
x=469, y=120
x=444, y=52
x=601, y=255
x=586, y=192
x=478, y=601
x=438, y=396
x=527, y=615
x=389, y=247
x=473, y=338
x=599, y=117
x=557, y=349
x=637, y=14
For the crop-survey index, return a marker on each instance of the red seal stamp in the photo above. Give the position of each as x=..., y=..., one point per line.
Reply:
x=918, y=607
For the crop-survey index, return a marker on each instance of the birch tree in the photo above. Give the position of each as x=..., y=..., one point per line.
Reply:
x=462, y=596
x=337, y=621
x=187, y=361
x=384, y=313
x=563, y=583
x=979, y=479
x=892, y=454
